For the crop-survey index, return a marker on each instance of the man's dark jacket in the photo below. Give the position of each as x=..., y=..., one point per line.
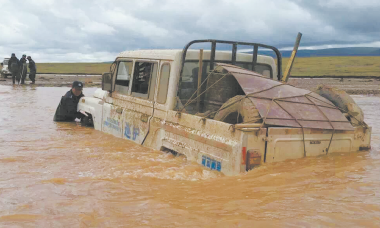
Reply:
x=13, y=64
x=23, y=70
x=22, y=61
x=32, y=67
x=67, y=108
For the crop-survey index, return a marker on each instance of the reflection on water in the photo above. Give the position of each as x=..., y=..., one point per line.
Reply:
x=64, y=175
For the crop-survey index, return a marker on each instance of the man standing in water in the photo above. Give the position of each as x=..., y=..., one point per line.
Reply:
x=67, y=108
x=23, y=69
x=32, y=70
x=13, y=66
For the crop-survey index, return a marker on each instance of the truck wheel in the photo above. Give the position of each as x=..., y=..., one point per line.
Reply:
x=213, y=97
x=87, y=121
x=343, y=101
x=238, y=109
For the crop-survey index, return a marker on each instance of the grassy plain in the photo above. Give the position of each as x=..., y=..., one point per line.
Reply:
x=335, y=66
x=72, y=68
x=83, y=68
x=313, y=66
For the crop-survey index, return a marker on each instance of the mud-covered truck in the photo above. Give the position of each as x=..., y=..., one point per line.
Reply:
x=226, y=110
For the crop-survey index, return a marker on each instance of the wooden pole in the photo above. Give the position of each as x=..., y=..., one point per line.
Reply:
x=199, y=78
x=286, y=75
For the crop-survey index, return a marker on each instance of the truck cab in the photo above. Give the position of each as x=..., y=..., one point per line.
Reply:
x=170, y=100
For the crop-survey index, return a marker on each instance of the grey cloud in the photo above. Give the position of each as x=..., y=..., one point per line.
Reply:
x=55, y=30
x=354, y=21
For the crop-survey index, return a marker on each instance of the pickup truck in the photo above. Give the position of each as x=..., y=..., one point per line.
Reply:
x=226, y=110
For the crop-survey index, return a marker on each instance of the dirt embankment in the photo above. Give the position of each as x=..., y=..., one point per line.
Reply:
x=59, y=80
x=351, y=86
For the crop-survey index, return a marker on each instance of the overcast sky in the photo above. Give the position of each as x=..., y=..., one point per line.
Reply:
x=97, y=30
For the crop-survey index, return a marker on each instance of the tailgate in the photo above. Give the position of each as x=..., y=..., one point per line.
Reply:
x=291, y=143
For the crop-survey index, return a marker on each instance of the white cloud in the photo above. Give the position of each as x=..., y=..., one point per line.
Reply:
x=95, y=28
x=135, y=26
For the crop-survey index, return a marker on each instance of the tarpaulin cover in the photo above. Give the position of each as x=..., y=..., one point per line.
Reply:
x=285, y=105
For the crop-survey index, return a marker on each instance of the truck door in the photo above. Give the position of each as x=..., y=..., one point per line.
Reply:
x=138, y=107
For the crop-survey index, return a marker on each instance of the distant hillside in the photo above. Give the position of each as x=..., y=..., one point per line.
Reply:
x=71, y=68
x=353, y=51
x=313, y=66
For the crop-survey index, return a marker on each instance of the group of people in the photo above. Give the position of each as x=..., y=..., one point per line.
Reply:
x=18, y=68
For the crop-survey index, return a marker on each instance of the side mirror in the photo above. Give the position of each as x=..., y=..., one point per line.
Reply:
x=107, y=82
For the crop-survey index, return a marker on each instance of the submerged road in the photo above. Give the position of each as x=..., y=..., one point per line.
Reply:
x=64, y=175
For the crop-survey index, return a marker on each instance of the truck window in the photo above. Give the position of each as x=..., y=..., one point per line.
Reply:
x=190, y=82
x=264, y=69
x=164, y=83
x=190, y=69
x=144, y=80
x=124, y=71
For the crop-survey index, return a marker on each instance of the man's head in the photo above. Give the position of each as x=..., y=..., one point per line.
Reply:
x=13, y=55
x=29, y=58
x=24, y=56
x=77, y=88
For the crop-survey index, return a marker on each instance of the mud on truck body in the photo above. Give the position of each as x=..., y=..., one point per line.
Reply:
x=231, y=116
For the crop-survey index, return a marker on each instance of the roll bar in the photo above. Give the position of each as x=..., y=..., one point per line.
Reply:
x=234, y=50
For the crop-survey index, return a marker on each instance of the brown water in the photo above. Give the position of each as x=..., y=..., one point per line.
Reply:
x=63, y=175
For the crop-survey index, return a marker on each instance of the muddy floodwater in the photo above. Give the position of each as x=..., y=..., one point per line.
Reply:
x=64, y=175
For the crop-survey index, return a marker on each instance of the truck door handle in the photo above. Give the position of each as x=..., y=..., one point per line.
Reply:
x=144, y=118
